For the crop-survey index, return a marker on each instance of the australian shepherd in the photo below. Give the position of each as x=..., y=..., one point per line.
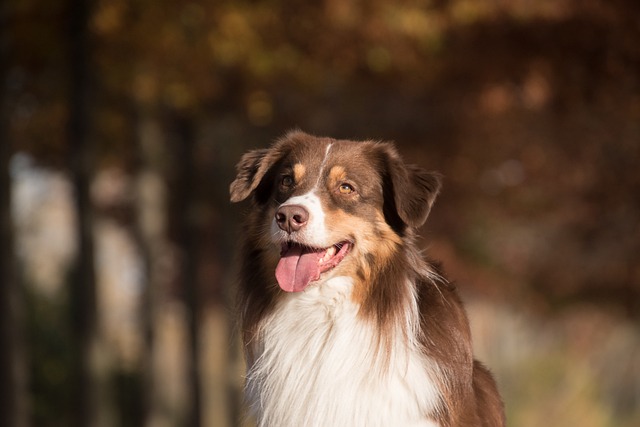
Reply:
x=344, y=324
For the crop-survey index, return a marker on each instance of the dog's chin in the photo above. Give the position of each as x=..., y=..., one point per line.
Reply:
x=301, y=266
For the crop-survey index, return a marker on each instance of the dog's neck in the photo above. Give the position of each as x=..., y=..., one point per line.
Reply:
x=319, y=362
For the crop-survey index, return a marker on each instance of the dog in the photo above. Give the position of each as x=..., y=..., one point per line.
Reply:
x=343, y=322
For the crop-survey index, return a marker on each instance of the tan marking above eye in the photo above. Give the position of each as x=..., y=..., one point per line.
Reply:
x=298, y=171
x=337, y=174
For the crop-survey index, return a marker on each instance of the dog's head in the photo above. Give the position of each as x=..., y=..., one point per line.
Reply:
x=332, y=207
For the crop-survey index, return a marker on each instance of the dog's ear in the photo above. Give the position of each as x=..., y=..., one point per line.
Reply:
x=254, y=168
x=250, y=171
x=408, y=190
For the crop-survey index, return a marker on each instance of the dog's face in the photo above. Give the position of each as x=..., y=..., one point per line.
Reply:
x=328, y=207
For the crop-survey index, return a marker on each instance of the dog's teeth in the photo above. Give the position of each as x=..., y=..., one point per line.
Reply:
x=329, y=253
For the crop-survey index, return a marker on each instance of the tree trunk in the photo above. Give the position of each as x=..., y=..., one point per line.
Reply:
x=12, y=368
x=185, y=210
x=83, y=282
x=150, y=234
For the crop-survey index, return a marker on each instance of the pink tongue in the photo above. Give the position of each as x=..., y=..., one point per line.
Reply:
x=297, y=267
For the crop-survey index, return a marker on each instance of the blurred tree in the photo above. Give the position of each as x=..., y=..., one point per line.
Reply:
x=86, y=395
x=150, y=235
x=184, y=211
x=13, y=411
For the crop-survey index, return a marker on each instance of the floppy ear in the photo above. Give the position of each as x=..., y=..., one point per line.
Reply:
x=249, y=174
x=254, y=166
x=409, y=191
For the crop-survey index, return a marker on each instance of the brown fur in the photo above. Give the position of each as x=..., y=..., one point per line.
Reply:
x=391, y=201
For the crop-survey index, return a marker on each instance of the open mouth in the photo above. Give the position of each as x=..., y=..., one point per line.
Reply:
x=300, y=265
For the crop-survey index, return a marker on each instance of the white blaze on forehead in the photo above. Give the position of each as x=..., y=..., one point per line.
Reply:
x=315, y=232
x=324, y=163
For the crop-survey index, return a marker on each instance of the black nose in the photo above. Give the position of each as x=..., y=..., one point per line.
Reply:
x=291, y=218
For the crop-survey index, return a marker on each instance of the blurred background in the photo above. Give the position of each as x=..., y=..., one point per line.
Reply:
x=120, y=126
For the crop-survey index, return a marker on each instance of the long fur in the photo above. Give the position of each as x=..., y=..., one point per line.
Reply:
x=382, y=340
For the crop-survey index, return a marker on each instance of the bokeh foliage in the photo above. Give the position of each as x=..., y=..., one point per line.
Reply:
x=531, y=110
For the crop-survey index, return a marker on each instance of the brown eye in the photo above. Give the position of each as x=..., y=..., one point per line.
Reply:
x=287, y=181
x=345, y=188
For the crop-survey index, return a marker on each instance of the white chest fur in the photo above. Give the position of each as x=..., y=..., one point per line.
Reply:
x=318, y=364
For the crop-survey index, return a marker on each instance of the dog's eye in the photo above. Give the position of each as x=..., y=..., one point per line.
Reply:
x=287, y=181
x=346, y=188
